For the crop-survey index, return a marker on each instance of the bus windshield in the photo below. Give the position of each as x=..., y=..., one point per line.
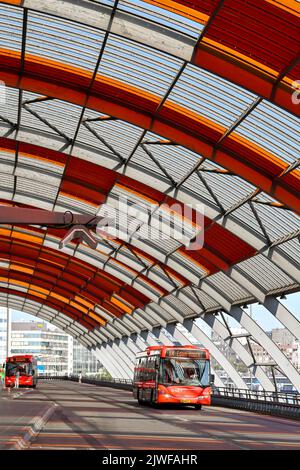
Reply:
x=24, y=368
x=185, y=371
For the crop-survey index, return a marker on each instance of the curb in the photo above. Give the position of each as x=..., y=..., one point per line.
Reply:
x=33, y=429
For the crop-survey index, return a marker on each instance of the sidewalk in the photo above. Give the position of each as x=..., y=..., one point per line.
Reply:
x=21, y=420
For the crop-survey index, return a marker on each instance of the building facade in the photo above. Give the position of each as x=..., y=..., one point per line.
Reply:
x=5, y=329
x=57, y=353
x=51, y=347
x=84, y=361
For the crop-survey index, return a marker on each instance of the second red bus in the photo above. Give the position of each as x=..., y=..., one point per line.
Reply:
x=26, y=365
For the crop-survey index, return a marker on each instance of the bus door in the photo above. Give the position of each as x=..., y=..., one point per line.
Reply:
x=149, y=378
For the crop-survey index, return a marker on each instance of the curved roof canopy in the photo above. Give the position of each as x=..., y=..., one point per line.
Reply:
x=158, y=102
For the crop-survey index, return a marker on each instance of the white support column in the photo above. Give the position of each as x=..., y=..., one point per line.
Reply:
x=214, y=351
x=272, y=349
x=283, y=315
x=131, y=345
x=239, y=349
x=270, y=303
x=127, y=351
x=139, y=341
x=258, y=334
x=158, y=333
x=109, y=365
x=149, y=339
x=218, y=382
x=118, y=363
x=126, y=364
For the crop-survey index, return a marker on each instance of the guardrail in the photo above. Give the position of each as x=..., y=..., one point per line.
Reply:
x=258, y=395
x=125, y=384
x=260, y=401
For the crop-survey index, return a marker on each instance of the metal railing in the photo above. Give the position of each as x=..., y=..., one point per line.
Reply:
x=260, y=401
x=92, y=380
x=286, y=405
x=258, y=395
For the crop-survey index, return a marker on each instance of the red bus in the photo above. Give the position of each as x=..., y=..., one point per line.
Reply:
x=173, y=374
x=26, y=365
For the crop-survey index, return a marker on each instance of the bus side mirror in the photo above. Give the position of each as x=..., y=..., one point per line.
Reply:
x=211, y=378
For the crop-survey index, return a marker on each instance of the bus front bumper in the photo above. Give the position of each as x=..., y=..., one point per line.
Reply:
x=201, y=400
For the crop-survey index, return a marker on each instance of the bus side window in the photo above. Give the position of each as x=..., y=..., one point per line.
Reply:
x=143, y=368
x=137, y=373
x=152, y=369
x=146, y=366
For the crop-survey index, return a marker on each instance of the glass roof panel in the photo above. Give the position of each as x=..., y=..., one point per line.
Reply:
x=65, y=202
x=292, y=249
x=210, y=96
x=114, y=136
x=59, y=114
x=63, y=41
x=273, y=129
x=228, y=189
x=7, y=162
x=178, y=305
x=273, y=218
x=109, y=3
x=265, y=273
x=143, y=162
x=11, y=25
x=36, y=189
x=8, y=108
x=155, y=238
x=188, y=263
x=245, y=215
x=176, y=160
x=6, y=186
x=207, y=301
x=234, y=292
x=39, y=170
x=138, y=65
x=142, y=205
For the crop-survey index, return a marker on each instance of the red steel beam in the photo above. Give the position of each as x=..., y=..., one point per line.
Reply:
x=103, y=179
x=173, y=121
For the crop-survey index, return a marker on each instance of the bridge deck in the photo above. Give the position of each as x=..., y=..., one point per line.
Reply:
x=79, y=416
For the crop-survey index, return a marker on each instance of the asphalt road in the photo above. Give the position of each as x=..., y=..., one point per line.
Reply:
x=68, y=415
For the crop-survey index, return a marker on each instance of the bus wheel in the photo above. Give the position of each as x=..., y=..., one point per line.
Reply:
x=198, y=407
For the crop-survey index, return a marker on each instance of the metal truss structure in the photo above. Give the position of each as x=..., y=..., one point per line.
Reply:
x=157, y=103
